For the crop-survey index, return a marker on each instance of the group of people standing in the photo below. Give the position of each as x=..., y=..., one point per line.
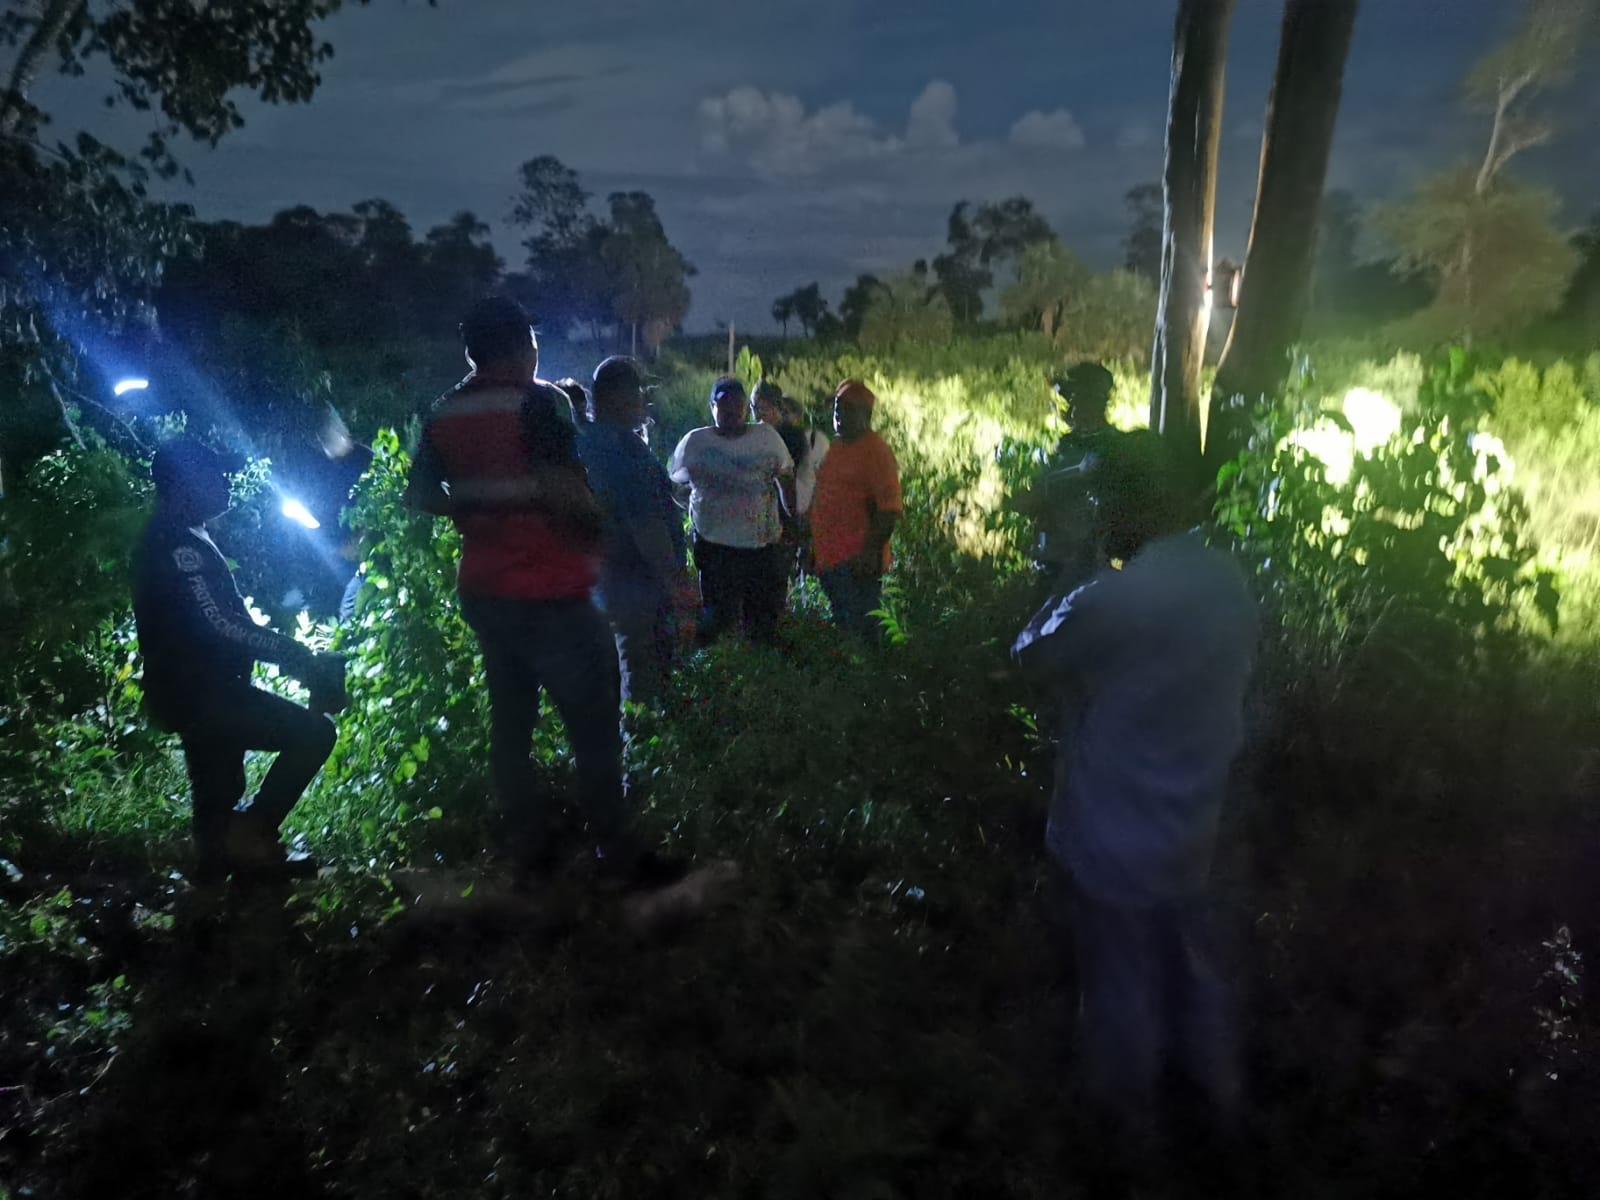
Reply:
x=575, y=564
x=766, y=498
x=574, y=573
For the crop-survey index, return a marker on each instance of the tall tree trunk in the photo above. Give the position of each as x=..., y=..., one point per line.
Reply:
x=54, y=17
x=1194, y=126
x=1275, y=288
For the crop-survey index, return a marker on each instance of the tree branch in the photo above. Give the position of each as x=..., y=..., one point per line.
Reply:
x=1535, y=136
x=1493, y=159
x=56, y=16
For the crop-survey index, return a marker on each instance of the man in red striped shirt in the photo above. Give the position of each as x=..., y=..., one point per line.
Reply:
x=498, y=457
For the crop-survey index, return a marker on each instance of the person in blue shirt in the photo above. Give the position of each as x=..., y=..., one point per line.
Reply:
x=1153, y=659
x=642, y=551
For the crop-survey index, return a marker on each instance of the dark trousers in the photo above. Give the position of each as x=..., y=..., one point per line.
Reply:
x=642, y=626
x=735, y=582
x=563, y=647
x=1151, y=993
x=853, y=600
x=216, y=735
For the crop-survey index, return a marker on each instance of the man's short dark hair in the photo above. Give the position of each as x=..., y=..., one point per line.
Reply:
x=617, y=377
x=1088, y=384
x=496, y=328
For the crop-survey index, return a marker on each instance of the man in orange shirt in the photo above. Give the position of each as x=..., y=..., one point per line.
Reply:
x=853, y=512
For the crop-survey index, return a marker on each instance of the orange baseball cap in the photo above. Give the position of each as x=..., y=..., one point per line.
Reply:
x=853, y=391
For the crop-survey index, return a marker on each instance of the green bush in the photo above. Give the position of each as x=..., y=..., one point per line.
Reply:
x=1394, y=576
x=411, y=744
x=1550, y=420
x=75, y=752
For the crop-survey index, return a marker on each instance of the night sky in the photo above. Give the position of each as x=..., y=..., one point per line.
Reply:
x=786, y=142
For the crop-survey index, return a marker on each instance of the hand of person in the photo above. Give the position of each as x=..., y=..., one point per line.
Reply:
x=326, y=684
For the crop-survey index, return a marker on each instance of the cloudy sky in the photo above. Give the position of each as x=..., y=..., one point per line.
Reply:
x=786, y=142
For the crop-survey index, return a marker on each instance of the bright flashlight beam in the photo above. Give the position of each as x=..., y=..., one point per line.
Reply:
x=300, y=514
x=124, y=386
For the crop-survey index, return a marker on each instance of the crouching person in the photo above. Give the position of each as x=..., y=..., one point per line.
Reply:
x=1154, y=659
x=199, y=645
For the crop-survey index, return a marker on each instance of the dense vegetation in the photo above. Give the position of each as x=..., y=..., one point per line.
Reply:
x=884, y=1008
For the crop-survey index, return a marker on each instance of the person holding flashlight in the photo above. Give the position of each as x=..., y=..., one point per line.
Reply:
x=199, y=644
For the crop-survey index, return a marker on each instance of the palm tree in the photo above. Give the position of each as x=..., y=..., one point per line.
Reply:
x=783, y=311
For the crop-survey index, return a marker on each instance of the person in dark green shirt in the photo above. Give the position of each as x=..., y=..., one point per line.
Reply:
x=1058, y=501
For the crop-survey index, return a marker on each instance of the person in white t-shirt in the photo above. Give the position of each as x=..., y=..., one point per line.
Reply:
x=738, y=474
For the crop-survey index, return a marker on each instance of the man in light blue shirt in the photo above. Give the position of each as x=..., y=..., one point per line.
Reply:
x=1158, y=655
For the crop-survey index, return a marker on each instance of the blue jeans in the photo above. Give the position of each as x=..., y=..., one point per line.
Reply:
x=563, y=647
x=1150, y=991
x=853, y=600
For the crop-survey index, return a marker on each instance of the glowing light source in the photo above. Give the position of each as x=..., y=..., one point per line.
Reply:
x=1373, y=421
x=300, y=514
x=124, y=386
x=1486, y=447
x=1329, y=445
x=1374, y=418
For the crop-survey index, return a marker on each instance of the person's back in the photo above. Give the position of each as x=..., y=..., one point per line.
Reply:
x=480, y=433
x=1157, y=657
x=175, y=567
x=498, y=457
x=1166, y=646
x=631, y=487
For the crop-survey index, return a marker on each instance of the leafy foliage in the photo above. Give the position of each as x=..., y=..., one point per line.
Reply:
x=806, y=305
x=1497, y=258
x=587, y=272
x=1420, y=556
x=876, y=1013
x=81, y=245
x=992, y=235
x=334, y=279
x=1142, y=246
x=904, y=312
